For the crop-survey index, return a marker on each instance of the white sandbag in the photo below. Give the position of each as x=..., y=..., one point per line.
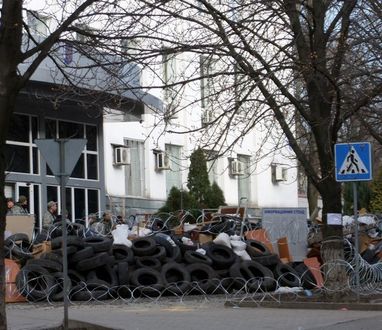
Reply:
x=223, y=239
x=238, y=245
x=120, y=235
x=243, y=255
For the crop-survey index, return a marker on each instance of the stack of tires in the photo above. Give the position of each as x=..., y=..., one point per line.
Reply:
x=152, y=266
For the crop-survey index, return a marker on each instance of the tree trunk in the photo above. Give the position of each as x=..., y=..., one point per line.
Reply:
x=7, y=105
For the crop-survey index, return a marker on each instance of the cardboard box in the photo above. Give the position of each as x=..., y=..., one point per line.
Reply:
x=203, y=238
x=16, y=224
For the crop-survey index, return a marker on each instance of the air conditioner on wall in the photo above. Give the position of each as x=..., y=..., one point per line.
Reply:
x=161, y=161
x=122, y=156
x=237, y=167
x=279, y=173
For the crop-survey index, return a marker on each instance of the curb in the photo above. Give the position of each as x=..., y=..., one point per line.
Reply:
x=78, y=325
x=307, y=305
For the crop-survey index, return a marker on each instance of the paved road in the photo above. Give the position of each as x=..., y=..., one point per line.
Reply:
x=190, y=316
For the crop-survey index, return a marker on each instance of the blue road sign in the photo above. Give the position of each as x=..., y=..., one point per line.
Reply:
x=353, y=161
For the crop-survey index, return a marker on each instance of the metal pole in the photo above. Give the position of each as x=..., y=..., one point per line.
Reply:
x=64, y=232
x=357, y=265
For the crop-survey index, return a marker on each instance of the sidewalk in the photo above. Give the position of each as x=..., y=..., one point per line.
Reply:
x=186, y=316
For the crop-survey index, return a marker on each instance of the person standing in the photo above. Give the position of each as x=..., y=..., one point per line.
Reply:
x=10, y=205
x=21, y=206
x=50, y=215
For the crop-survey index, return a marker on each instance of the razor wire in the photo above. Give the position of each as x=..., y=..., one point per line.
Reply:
x=40, y=288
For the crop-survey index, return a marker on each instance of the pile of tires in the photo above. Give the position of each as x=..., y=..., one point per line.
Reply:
x=152, y=266
x=18, y=247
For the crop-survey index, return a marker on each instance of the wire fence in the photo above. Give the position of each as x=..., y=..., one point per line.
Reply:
x=157, y=267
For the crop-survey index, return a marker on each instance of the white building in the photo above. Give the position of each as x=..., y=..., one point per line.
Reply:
x=133, y=156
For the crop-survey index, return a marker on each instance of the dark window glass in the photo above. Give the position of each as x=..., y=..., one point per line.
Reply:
x=24, y=191
x=34, y=128
x=51, y=194
x=91, y=136
x=19, y=128
x=79, y=207
x=36, y=204
x=92, y=165
x=92, y=201
x=48, y=170
x=70, y=130
x=79, y=169
x=17, y=158
x=50, y=129
x=35, y=160
x=68, y=203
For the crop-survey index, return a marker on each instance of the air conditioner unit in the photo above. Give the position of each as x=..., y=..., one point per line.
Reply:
x=208, y=117
x=122, y=156
x=161, y=161
x=279, y=173
x=237, y=167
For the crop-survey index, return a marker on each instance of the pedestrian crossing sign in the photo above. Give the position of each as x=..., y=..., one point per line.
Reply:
x=353, y=161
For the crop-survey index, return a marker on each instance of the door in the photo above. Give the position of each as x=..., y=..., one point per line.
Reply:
x=32, y=192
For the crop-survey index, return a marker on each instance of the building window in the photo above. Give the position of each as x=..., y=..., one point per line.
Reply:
x=173, y=176
x=207, y=69
x=135, y=171
x=38, y=24
x=80, y=202
x=171, y=93
x=21, y=153
x=244, y=181
x=87, y=166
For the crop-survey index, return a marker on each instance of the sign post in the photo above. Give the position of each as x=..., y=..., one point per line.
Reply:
x=62, y=155
x=353, y=163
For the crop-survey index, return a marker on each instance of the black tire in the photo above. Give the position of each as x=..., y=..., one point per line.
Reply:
x=257, y=247
x=75, y=277
x=35, y=282
x=83, y=254
x=148, y=281
x=105, y=273
x=149, y=262
x=172, y=250
x=58, y=295
x=204, y=276
x=285, y=275
x=221, y=256
x=159, y=253
x=270, y=260
x=71, y=241
x=51, y=256
x=90, y=291
x=122, y=270
x=192, y=257
x=307, y=279
x=99, y=244
x=176, y=278
x=122, y=252
x=20, y=237
x=143, y=246
x=256, y=277
x=98, y=260
x=50, y=265
x=184, y=247
x=69, y=250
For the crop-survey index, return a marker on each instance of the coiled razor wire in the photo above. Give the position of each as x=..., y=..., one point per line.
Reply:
x=40, y=288
x=228, y=289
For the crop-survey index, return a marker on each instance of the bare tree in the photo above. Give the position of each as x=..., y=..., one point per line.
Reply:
x=320, y=60
x=79, y=42
x=276, y=64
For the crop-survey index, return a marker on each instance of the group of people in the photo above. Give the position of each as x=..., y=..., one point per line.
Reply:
x=21, y=207
x=103, y=226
